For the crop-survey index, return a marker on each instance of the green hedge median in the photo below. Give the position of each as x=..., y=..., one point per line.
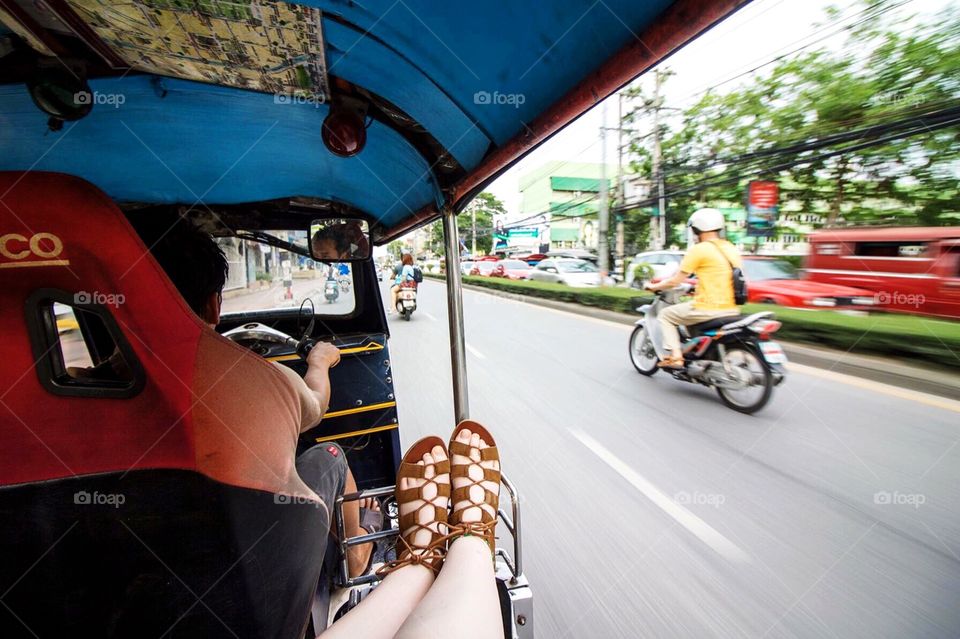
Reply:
x=907, y=336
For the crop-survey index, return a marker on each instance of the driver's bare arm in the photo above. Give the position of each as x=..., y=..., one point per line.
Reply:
x=314, y=388
x=676, y=280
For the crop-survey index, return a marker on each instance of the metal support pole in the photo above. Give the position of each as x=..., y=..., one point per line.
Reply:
x=603, y=245
x=458, y=349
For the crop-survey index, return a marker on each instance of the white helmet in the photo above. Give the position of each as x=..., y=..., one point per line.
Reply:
x=706, y=220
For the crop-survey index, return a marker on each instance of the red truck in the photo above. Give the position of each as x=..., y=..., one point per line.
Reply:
x=909, y=269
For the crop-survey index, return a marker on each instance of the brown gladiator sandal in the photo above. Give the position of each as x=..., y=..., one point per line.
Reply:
x=461, y=501
x=408, y=551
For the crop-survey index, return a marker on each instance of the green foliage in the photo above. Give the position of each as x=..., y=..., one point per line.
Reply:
x=484, y=206
x=887, y=74
x=642, y=272
x=395, y=248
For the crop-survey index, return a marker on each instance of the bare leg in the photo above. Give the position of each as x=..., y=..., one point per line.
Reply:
x=358, y=556
x=464, y=596
x=394, y=292
x=382, y=612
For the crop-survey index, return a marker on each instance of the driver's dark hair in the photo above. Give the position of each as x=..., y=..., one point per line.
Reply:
x=340, y=240
x=191, y=259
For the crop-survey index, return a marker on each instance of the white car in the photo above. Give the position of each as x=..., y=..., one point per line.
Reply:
x=578, y=273
x=663, y=263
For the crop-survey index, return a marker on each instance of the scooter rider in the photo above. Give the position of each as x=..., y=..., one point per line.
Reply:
x=713, y=259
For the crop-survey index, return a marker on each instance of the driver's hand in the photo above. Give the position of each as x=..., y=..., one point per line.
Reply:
x=324, y=354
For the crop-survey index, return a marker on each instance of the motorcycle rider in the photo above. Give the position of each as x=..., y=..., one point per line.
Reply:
x=404, y=277
x=713, y=259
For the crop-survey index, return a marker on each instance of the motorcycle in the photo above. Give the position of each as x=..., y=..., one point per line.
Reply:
x=734, y=355
x=331, y=291
x=407, y=301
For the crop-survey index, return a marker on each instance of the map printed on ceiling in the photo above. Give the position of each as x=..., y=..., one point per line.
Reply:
x=274, y=47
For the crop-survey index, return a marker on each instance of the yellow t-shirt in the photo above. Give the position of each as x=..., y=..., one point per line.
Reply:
x=714, y=274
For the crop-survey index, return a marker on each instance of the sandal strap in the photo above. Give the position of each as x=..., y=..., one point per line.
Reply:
x=489, y=474
x=418, y=471
x=486, y=454
x=430, y=557
x=462, y=494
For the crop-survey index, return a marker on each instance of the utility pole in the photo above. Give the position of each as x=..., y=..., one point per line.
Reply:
x=473, y=234
x=660, y=227
x=619, y=192
x=604, y=211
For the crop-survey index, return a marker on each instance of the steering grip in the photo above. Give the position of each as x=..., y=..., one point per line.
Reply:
x=304, y=347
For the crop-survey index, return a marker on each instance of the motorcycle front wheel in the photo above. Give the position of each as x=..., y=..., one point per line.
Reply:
x=755, y=396
x=642, y=354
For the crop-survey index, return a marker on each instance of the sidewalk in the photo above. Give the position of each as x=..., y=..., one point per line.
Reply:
x=887, y=370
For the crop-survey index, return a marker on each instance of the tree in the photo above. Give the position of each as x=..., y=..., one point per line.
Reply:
x=857, y=135
x=484, y=206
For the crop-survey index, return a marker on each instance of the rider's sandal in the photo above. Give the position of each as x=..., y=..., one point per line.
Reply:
x=371, y=521
x=462, y=501
x=670, y=362
x=430, y=555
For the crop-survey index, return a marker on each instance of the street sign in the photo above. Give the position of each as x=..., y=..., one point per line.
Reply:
x=763, y=199
x=523, y=232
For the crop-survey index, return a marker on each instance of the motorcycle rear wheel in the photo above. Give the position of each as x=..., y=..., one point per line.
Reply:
x=642, y=355
x=749, y=359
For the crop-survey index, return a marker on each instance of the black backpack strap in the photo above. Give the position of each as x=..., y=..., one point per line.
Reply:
x=717, y=246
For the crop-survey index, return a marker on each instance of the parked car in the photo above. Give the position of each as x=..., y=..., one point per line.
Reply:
x=567, y=271
x=466, y=267
x=487, y=268
x=516, y=269
x=533, y=259
x=910, y=270
x=663, y=263
x=574, y=254
x=776, y=281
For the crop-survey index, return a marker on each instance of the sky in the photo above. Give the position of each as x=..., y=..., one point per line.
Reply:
x=754, y=35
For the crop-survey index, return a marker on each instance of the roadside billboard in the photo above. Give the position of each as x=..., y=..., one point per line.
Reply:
x=763, y=204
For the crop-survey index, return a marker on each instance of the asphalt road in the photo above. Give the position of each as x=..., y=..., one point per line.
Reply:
x=651, y=510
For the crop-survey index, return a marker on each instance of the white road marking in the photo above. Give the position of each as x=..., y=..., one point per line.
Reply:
x=701, y=529
x=878, y=387
x=429, y=316
x=475, y=352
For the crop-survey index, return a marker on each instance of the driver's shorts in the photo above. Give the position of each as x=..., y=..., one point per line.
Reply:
x=324, y=469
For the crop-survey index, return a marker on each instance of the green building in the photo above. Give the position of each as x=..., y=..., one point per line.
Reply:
x=562, y=198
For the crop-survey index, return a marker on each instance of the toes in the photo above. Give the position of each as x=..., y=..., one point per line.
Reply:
x=464, y=436
x=438, y=453
x=428, y=461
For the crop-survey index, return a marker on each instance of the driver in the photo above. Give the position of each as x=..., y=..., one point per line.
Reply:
x=331, y=244
x=263, y=408
x=713, y=260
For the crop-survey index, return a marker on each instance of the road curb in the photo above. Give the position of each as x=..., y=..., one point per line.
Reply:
x=875, y=368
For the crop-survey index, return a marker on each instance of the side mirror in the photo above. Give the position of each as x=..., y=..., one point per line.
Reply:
x=339, y=240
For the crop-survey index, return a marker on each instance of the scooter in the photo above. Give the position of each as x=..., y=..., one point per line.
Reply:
x=407, y=301
x=331, y=291
x=734, y=355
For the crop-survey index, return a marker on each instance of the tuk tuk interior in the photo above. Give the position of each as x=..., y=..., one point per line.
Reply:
x=245, y=119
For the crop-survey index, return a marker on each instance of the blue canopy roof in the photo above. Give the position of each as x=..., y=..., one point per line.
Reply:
x=473, y=76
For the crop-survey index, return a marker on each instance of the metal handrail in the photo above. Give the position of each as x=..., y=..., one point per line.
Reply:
x=511, y=521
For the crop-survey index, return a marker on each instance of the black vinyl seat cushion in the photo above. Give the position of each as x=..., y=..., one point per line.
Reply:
x=182, y=556
x=698, y=329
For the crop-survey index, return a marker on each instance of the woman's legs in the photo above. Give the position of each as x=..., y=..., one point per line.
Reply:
x=383, y=611
x=463, y=601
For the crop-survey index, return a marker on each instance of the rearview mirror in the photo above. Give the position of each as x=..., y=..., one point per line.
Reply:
x=340, y=239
